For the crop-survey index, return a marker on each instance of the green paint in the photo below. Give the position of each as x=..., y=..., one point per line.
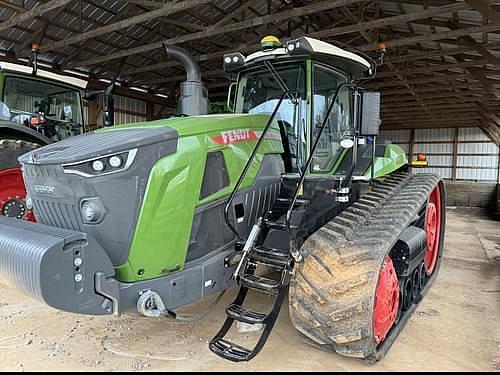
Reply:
x=393, y=159
x=161, y=238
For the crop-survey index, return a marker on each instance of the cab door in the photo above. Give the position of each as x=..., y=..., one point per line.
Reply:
x=321, y=182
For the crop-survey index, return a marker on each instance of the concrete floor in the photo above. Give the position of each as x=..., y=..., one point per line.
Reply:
x=456, y=327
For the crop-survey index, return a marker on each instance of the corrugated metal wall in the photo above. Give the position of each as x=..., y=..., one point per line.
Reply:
x=453, y=153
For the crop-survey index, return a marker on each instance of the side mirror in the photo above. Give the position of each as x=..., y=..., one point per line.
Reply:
x=369, y=113
x=230, y=96
x=108, y=112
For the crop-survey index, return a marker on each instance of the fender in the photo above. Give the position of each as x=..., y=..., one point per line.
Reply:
x=13, y=130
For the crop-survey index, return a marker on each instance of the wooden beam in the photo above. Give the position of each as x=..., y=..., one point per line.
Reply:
x=165, y=10
x=484, y=8
x=33, y=12
x=212, y=31
x=14, y=7
x=477, y=74
x=181, y=77
x=235, y=13
x=438, y=53
x=390, y=21
x=151, y=3
x=439, y=67
x=492, y=59
x=399, y=42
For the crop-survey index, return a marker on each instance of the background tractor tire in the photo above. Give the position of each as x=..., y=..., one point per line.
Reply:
x=11, y=149
x=12, y=189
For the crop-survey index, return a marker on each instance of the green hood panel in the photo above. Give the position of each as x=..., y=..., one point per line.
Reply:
x=393, y=159
x=161, y=239
x=188, y=126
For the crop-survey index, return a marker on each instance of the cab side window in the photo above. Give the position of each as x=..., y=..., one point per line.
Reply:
x=326, y=83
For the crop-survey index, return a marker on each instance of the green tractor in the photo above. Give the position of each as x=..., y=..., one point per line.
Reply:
x=37, y=108
x=150, y=217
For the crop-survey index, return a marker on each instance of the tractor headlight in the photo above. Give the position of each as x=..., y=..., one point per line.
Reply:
x=115, y=161
x=98, y=166
x=103, y=165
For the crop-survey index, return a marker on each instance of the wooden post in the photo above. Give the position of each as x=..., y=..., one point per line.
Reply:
x=412, y=144
x=150, y=111
x=93, y=115
x=455, y=155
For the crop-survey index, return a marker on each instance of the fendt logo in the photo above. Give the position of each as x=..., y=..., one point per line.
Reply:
x=43, y=189
x=234, y=136
x=242, y=135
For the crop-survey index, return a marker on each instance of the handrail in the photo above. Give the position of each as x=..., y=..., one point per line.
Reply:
x=248, y=164
x=309, y=160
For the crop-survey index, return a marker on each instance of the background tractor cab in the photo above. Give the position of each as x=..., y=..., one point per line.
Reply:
x=37, y=107
x=42, y=108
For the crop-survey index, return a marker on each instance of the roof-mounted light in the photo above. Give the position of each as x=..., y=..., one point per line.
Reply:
x=298, y=46
x=233, y=61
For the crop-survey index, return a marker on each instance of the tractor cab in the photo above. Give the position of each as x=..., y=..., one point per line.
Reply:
x=43, y=108
x=300, y=81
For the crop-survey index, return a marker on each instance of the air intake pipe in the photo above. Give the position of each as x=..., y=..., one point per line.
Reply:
x=194, y=95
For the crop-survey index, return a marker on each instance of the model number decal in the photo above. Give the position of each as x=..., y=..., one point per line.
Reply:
x=41, y=189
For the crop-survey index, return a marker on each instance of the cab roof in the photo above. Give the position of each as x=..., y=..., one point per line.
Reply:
x=27, y=70
x=351, y=63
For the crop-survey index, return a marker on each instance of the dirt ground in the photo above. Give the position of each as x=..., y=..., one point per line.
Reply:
x=455, y=328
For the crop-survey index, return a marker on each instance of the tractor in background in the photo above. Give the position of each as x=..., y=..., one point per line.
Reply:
x=37, y=108
x=150, y=217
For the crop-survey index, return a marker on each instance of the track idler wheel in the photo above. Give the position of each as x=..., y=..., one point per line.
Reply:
x=386, y=301
x=13, y=195
x=433, y=216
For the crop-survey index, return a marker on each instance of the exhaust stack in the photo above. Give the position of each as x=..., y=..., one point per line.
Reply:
x=194, y=95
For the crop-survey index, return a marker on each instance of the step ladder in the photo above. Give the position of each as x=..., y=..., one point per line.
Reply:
x=252, y=256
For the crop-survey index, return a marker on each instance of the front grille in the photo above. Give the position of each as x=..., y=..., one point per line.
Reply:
x=57, y=214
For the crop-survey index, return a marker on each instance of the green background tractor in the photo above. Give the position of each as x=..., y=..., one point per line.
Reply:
x=150, y=217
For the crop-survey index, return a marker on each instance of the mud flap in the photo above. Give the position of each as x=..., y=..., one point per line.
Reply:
x=55, y=266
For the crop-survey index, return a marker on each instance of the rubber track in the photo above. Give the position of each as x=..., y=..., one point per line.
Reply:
x=333, y=290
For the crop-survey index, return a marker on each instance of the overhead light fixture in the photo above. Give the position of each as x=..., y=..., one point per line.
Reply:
x=233, y=61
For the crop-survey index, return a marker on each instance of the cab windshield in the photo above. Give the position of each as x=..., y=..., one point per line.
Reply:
x=53, y=110
x=259, y=92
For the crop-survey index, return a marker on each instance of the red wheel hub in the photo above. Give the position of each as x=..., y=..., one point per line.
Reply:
x=386, y=301
x=13, y=195
x=433, y=229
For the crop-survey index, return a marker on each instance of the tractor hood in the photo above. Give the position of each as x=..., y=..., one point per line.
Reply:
x=97, y=144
